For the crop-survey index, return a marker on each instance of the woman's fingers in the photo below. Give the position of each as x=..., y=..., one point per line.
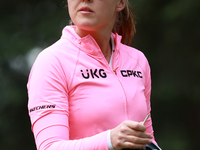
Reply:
x=130, y=145
x=130, y=134
x=138, y=140
x=135, y=126
x=140, y=134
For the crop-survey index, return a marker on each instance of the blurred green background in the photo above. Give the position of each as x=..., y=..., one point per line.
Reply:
x=167, y=32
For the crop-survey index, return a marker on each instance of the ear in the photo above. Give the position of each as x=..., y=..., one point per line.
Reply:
x=120, y=5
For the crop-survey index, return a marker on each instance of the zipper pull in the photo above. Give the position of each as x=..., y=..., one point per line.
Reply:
x=115, y=70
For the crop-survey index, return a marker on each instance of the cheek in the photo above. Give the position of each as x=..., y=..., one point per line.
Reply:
x=110, y=11
x=108, y=14
x=71, y=11
x=72, y=5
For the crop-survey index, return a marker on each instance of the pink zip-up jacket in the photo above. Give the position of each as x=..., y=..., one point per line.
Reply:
x=75, y=97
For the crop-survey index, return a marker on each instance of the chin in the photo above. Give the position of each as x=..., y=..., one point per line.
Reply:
x=87, y=27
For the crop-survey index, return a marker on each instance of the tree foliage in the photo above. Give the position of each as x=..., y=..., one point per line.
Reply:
x=167, y=32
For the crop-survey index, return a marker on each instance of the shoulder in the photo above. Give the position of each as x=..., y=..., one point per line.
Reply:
x=133, y=53
x=59, y=52
x=64, y=47
x=57, y=60
x=127, y=51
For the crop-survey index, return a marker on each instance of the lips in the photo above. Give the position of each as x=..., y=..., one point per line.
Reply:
x=86, y=9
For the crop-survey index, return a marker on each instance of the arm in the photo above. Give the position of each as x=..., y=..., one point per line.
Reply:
x=48, y=108
x=147, y=92
x=51, y=132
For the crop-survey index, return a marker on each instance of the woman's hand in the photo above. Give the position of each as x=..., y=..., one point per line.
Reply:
x=130, y=134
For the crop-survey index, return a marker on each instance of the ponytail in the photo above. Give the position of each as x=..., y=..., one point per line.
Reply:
x=125, y=24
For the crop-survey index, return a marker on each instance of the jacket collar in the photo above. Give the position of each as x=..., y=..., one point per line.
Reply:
x=87, y=43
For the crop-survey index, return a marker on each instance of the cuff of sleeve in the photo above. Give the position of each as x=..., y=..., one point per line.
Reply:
x=110, y=147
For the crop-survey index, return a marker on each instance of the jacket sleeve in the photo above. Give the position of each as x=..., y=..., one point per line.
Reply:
x=48, y=108
x=147, y=92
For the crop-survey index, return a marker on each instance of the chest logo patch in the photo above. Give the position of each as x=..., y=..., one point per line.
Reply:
x=129, y=73
x=93, y=73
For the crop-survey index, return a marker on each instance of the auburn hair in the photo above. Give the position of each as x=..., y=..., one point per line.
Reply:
x=125, y=24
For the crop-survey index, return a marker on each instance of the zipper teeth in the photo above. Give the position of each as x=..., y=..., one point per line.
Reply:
x=114, y=70
x=125, y=102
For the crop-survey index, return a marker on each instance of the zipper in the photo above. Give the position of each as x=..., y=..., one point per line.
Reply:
x=113, y=67
x=114, y=71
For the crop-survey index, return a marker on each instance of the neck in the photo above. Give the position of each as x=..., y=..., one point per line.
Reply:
x=101, y=37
